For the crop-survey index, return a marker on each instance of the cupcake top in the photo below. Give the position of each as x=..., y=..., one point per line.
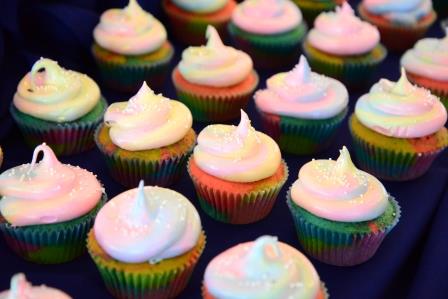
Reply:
x=267, y=16
x=334, y=33
x=47, y=191
x=52, y=93
x=215, y=64
x=147, y=121
x=147, y=224
x=129, y=31
x=265, y=268
x=201, y=6
x=428, y=58
x=22, y=289
x=400, y=11
x=303, y=94
x=237, y=154
x=400, y=109
x=338, y=191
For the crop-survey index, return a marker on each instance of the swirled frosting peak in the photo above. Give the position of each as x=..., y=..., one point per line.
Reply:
x=263, y=269
x=400, y=11
x=302, y=93
x=401, y=109
x=215, y=64
x=201, y=6
x=129, y=31
x=147, y=121
x=52, y=93
x=47, y=191
x=342, y=33
x=147, y=224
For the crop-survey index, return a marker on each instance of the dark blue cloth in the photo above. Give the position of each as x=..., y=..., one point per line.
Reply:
x=411, y=263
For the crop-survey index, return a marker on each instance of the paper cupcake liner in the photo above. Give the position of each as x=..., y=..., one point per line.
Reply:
x=50, y=243
x=302, y=136
x=437, y=88
x=64, y=138
x=311, y=9
x=335, y=247
x=234, y=207
x=128, y=283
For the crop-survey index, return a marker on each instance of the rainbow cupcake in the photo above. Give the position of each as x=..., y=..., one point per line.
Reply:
x=264, y=268
x=59, y=107
x=149, y=137
x=237, y=172
x=312, y=8
x=21, y=288
x=215, y=81
x=341, y=213
x=146, y=243
x=302, y=111
x=47, y=208
x=398, y=130
x=131, y=47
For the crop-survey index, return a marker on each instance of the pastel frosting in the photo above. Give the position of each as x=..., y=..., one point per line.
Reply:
x=52, y=93
x=400, y=109
x=303, y=94
x=147, y=121
x=237, y=154
x=267, y=16
x=342, y=33
x=129, y=31
x=400, y=11
x=263, y=269
x=338, y=191
x=147, y=224
x=22, y=289
x=47, y=191
x=215, y=64
x=201, y=6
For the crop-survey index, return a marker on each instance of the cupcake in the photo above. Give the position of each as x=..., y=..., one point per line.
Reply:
x=401, y=23
x=341, y=214
x=189, y=19
x=22, y=289
x=59, y=107
x=130, y=47
x=426, y=65
x=301, y=110
x=215, y=81
x=264, y=268
x=146, y=243
x=149, y=137
x=312, y=8
x=237, y=172
x=47, y=208
x=270, y=31
x=343, y=47
x=398, y=130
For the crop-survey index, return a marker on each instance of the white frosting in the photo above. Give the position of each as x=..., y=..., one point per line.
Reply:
x=201, y=6
x=400, y=11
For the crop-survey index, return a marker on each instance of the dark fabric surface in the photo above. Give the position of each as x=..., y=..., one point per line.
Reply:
x=411, y=263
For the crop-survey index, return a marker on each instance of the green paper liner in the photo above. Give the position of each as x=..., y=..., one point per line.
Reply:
x=66, y=138
x=167, y=279
x=53, y=243
x=312, y=8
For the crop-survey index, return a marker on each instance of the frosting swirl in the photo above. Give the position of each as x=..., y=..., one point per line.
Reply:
x=400, y=11
x=147, y=224
x=201, y=6
x=400, y=109
x=129, y=31
x=338, y=191
x=147, y=121
x=47, y=191
x=265, y=268
x=333, y=33
x=237, y=154
x=267, y=16
x=215, y=64
x=52, y=93
x=303, y=94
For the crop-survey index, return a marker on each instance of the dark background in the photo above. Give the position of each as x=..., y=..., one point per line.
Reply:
x=412, y=262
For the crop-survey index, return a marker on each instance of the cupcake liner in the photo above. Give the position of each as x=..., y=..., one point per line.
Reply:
x=311, y=9
x=233, y=206
x=302, y=136
x=64, y=138
x=437, y=88
x=50, y=243
x=336, y=246
x=142, y=281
